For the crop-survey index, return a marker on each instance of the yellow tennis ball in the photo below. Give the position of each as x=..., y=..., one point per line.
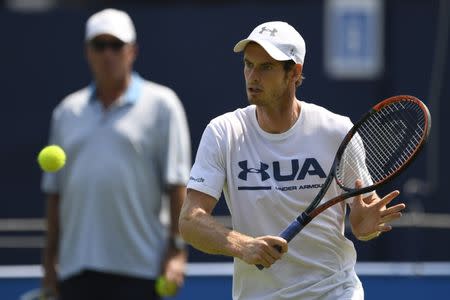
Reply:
x=165, y=288
x=52, y=158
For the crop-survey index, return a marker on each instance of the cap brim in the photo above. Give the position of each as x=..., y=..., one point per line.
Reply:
x=273, y=51
x=93, y=35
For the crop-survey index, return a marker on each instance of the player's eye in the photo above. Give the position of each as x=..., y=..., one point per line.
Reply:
x=267, y=67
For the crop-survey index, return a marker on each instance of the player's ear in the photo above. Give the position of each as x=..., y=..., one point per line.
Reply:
x=296, y=73
x=298, y=69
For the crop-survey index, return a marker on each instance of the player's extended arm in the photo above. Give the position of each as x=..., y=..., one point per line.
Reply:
x=202, y=231
x=370, y=216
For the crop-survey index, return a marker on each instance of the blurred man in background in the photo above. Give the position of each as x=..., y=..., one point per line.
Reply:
x=127, y=143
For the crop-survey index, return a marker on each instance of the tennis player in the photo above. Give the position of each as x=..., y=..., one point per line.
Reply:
x=270, y=159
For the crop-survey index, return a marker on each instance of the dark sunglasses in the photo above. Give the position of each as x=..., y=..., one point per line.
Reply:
x=100, y=46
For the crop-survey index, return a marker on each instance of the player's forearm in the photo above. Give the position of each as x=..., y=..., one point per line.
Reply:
x=203, y=232
x=51, y=245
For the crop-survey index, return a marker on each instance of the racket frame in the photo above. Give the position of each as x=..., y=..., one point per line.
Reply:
x=314, y=208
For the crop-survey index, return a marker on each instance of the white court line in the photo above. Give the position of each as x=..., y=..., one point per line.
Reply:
x=226, y=269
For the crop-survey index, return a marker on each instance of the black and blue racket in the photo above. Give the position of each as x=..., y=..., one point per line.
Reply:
x=377, y=148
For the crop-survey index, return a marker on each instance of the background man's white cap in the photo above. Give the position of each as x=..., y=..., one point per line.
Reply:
x=111, y=21
x=280, y=40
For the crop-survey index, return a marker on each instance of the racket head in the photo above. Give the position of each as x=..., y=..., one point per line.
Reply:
x=382, y=143
x=377, y=148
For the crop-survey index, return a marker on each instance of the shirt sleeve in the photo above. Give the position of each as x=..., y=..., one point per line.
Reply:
x=208, y=173
x=177, y=152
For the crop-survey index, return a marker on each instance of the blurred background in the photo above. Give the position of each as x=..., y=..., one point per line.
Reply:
x=358, y=53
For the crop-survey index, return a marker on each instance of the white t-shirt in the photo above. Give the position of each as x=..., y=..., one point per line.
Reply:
x=267, y=180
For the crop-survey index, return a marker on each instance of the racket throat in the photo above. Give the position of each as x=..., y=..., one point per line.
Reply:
x=295, y=227
x=304, y=219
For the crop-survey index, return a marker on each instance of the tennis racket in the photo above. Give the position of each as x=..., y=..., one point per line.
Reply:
x=377, y=148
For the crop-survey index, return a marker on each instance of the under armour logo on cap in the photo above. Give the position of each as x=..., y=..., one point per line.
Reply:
x=272, y=32
x=279, y=39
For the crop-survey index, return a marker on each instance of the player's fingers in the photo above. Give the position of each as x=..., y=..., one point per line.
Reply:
x=276, y=243
x=273, y=249
x=387, y=199
x=393, y=209
x=358, y=183
x=384, y=227
x=263, y=251
x=280, y=245
x=266, y=259
x=391, y=217
x=266, y=263
x=358, y=199
x=256, y=256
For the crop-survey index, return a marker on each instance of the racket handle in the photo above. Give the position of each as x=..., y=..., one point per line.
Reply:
x=291, y=231
x=295, y=227
x=287, y=234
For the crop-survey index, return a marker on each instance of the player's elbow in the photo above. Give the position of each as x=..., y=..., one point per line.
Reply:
x=190, y=223
x=194, y=215
x=183, y=225
x=186, y=223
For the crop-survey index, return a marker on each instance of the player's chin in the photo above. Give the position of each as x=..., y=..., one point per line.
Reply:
x=252, y=99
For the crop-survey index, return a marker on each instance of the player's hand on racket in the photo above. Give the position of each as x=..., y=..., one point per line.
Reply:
x=264, y=250
x=370, y=216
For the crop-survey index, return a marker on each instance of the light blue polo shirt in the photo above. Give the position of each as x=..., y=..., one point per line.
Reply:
x=119, y=162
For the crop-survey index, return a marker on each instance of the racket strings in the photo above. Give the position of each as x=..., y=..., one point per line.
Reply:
x=392, y=133
x=383, y=143
x=395, y=131
x=410, y=121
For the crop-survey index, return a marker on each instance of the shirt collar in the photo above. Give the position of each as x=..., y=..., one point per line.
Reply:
x=131, y=94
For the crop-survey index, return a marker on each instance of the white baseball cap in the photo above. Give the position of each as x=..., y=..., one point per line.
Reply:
x=280, y=40
x=111, y=21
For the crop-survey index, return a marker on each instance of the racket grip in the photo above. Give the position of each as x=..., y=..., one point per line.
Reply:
x=292, y=230
x=295, y=227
